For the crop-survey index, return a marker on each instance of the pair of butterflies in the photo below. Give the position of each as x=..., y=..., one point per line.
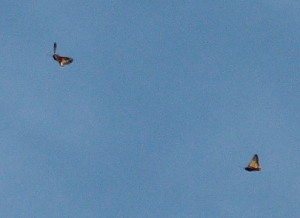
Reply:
x=254, y=164
x=60, y=59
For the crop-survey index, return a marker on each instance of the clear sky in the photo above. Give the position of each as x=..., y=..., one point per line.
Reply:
x=164, y=105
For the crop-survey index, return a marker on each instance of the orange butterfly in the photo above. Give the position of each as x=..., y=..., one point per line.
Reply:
x=61, y=60
x=254, y=164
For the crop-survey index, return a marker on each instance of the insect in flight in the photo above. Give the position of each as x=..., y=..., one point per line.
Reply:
x=61, y=60
x=254, y=164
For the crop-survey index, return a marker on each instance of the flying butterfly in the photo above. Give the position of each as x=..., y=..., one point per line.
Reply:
x=254, y=164
x=61, y=60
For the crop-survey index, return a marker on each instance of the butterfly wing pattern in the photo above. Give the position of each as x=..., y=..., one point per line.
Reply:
x=254, y=164
x=60, y=59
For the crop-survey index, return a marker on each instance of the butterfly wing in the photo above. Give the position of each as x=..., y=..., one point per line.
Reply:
x=65, y=60
x=254, y=164
x=54, y=47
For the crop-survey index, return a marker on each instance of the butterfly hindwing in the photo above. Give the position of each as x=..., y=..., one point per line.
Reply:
x=65, y=60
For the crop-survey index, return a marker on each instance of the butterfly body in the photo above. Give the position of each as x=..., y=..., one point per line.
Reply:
x=254, y=164
x=60, y=59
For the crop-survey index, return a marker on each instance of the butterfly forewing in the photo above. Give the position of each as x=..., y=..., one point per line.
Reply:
x=254, y=164
x=54, y=47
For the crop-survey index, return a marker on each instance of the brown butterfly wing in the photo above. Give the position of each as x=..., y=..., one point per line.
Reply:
x=65, y=60
x=254, y=164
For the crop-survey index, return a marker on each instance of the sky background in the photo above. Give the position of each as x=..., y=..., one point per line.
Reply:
x=164, y=105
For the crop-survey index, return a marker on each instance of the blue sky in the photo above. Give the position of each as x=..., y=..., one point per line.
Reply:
x=163, y=106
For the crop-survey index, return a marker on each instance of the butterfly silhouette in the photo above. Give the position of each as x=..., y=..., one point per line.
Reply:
x=254, y=164
x=61, y=60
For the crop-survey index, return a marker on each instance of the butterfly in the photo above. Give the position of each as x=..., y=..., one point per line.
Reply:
x=61, y=60
x=254, y=164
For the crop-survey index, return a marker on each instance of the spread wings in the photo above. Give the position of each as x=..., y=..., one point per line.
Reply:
x=60, y=59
